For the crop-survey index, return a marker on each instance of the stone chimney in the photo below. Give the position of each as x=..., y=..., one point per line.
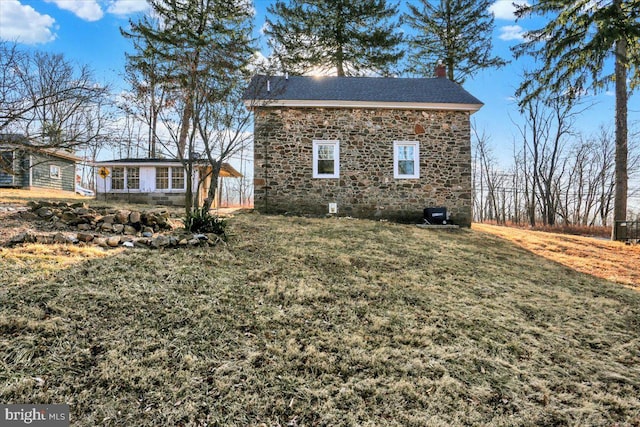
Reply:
x=441, y=70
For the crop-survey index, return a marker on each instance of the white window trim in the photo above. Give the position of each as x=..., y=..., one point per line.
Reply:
x=170, y=188
x=184, y=179
x=416, y=159
x=58, y=172
x=125, y=179
x=336, y=158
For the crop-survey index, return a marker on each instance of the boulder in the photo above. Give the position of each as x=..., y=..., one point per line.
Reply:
x=84, y=237
x=28, y=216
x=109, y=219
x=113, y=241
x=81, y=211
x=70, y=218
x=60, y=238
x=44, y=212
x=135, y=217
x=25, y=237
x=122, y=217
x=106, y=227
x=160, y=242
x=44, y=239
x=130, y=230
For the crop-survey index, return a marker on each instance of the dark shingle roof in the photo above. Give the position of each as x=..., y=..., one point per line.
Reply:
x=359, y=89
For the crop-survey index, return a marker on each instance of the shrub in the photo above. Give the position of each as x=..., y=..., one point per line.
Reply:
x=201, y=221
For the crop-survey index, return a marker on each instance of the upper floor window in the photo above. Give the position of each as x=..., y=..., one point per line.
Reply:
x=406, y=159
x=326, y=159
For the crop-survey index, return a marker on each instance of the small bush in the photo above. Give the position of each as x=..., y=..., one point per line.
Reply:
x=201, y=221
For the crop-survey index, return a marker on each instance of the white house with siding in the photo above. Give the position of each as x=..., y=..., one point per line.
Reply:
x=153, y=181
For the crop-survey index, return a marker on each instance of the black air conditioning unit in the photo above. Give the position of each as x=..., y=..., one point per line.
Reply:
x=435, y=216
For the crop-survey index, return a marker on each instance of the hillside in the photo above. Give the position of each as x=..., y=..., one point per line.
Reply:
x=302, y=321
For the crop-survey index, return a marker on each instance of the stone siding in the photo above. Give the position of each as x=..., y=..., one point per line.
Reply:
x=366, y=188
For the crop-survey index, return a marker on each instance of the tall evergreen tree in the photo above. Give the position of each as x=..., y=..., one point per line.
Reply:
x=199, y=50
x=350, y=37
x=573, y=49
x=457, y=32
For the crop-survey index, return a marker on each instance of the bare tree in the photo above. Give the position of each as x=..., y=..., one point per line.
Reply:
x=548, y=122
x=223, y=129
x=48, y=100
x=200, y=52
x=489, y=180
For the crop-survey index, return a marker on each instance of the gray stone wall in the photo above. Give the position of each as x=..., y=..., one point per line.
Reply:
x=283, y=151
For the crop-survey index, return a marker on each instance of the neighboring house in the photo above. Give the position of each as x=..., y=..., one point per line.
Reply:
x=368, y=147
x=152, y=181
x=25, y=166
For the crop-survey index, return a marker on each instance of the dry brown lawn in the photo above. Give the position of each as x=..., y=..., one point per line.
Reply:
x=14, y=196
x=319, y=322
x=614, y=261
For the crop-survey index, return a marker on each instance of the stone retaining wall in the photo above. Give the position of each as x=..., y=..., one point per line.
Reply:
x=283, y=151
x=106, y=227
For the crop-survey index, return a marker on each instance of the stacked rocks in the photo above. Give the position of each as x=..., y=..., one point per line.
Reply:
x=106, y=220
x=108, y=227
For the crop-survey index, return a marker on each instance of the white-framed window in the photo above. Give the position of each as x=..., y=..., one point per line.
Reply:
x=132, y=178
x=177, y=178
x=170, y=178
x=162, y=178
x=54, y=172
x=326, y=159
x=125, y=178
x=117, y=178
x=406, y=159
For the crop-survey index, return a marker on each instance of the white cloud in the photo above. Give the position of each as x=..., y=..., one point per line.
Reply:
x=504, y=9
x=23, y=24
x=127, y=7
x=511, y=32
x=89, y=10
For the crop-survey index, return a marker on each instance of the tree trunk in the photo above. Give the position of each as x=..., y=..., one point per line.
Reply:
x=620, y=196
x=213, y=186
x=340, y=62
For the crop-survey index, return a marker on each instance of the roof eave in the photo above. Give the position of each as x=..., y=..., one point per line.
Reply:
x=306, y=103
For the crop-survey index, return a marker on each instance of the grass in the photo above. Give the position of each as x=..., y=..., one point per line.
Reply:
x=9, y=196
x=614, y=261
x=306, y=322
x=13, y=197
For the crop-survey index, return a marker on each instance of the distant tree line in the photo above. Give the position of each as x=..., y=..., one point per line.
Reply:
x=556, y=177
x=192, y=59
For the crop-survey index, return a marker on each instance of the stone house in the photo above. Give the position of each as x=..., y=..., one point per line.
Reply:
x=25, y=166
x=153, y=181
x=362, y=146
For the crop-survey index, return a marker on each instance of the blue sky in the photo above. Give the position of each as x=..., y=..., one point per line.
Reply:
x=88, y=32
